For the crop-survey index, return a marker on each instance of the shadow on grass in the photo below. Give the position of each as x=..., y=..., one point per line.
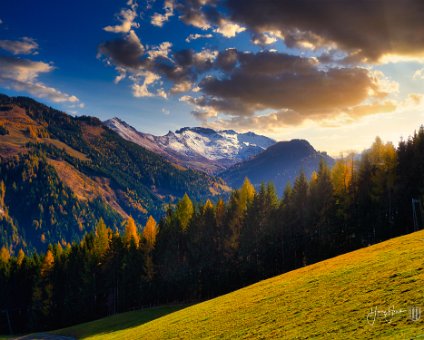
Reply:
x=117, y=322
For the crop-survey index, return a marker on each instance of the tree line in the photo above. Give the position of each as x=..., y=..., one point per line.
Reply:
x=198, y=251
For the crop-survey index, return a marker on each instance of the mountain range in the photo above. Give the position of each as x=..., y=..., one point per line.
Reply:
x=230, y=155
x=59, y=174
x=197, y=148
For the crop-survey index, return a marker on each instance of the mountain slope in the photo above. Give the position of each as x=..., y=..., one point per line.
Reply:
x=280, y=163
x=197, y=148
x=330, y=299
x=62, y=173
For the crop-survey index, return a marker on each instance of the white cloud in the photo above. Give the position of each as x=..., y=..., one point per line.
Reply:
x=24, y=46
x=22, y=70
x=161, y=93
x=122, y=74
x=412, y=100
x=159, y=19
x=265, y=39
x=205, y=55
x=127, y=18
x=142, y=83
x=196, y=36
x=182, y=87
x=419, y=74
x=228, y=29
x=22, y=75
x=162, y=50
x=198, y=20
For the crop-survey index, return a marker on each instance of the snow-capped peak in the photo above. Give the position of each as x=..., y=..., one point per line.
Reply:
x=197, y=147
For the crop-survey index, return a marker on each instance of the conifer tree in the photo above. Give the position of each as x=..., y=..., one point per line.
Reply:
x=131, y=234
x=47, y=264
x=43, y=290
x=4, y=254
x=102, y=238
x=247, y=192
x=21, y=257
x=184, y=212
x=150, y=232
x=2, y=194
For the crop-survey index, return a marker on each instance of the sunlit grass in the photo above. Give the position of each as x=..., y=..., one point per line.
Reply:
x=330, y=299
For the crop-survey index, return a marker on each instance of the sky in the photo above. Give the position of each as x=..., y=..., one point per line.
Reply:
x=337, y=73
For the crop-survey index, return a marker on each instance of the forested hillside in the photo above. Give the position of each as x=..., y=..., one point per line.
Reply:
x=59, y=174
x=199, y=251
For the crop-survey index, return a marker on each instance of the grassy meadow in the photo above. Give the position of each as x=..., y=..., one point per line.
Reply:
x=363, y=294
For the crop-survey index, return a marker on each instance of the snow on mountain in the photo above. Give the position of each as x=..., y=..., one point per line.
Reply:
x=198, y=148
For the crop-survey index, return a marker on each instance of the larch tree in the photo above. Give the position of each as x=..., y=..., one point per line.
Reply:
x=247, y=192
x=150, y=232
x=184, y=212
x=2, y=194
x=208, y=205
x=43, y=289
x=4, y=254
x=47, y=264
x=131, y=234
x=21, y=257
x=102, y=239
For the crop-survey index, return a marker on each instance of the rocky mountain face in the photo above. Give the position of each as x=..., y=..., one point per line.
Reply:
x=197, y=148
x=230, y=155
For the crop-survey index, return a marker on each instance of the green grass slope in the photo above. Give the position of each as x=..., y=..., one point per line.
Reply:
x=330, y=299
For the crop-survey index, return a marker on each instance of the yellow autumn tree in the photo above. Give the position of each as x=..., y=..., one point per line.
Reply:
x=150, y=232
x=101, y=241
x=184, y=211
x=47, y=264
x=220, y=211
x=246, y=193
x=208, y=206
x=131, y=232
x=314, y=177
x=341, y=175
x=4, y=254
x=2, y=194
x=21, y=257
x=58, y=249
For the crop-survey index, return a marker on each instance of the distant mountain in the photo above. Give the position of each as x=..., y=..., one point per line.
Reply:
x=59, y=174
x=280, y=163
x=197, y=148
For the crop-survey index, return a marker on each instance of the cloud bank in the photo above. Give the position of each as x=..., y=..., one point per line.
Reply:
x=326, y=69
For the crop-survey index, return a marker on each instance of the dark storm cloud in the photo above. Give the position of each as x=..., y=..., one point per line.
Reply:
x=370, y=28
x=182, y=68
x=124, y=52
x=239, y=84
x=270, y=80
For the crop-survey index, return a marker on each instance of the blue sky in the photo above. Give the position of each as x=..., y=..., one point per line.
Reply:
x=275, y=70
x=68, y=33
